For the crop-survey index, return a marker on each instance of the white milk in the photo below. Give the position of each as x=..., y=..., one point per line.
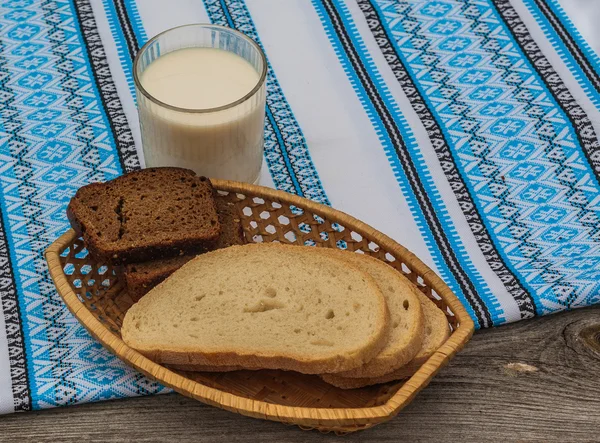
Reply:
x=225, y=144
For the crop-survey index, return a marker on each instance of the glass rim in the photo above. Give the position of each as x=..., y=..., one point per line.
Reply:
x=254, y=90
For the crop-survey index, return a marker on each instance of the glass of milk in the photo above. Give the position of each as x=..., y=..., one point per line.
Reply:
x=201, y=101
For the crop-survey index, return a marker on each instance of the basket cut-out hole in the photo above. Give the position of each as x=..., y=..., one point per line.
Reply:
x=240, y=196
x=341, y=244
x=258, y=200
x=265, y=215
x=283, y=220
x=296, y=210
x=406, y=269
x=374, y=246
x=276, y=205
x=389, y=257
x=270, y=229
x=337, y=227
x=356, y=236
x=290, y=236
x=247, y=211
x=258, y=239
x=81, y=254
x=304, y=227
x=253, y=224
x=324, y=235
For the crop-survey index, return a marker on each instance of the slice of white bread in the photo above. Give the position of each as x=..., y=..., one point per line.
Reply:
x=406, y=315
x=437, y=332
x=261, y=306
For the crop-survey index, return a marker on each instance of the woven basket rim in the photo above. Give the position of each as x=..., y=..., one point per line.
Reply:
x=308, y=416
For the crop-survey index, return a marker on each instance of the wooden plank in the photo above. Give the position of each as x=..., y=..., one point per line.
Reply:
x=537, y=380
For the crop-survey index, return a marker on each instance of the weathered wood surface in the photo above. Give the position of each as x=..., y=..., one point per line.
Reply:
x=537, y=380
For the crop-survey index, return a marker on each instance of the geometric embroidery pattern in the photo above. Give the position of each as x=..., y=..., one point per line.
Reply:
x=439, y=141
x=57, y=134
x=517, y=150
x=427, y=207
x=521, y=152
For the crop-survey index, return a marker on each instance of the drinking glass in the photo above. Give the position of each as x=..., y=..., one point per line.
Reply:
x=224, y=142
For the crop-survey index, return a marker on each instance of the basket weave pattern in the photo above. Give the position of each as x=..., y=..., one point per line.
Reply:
x=96, y=296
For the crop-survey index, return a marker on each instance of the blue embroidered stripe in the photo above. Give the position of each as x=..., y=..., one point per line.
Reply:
x=581, y=60
x=577, y=117
x=407, y=162
x=105, y=88
x=569, y=49
x=130, y=37
x=11, y=309
x=58, y=133
x=135, y=21
x=439, y=141
x=125, y=382
x=126, y=47
x=515, y=146
x=591, y=57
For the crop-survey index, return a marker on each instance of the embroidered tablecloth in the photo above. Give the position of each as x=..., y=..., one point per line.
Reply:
x=465, y=129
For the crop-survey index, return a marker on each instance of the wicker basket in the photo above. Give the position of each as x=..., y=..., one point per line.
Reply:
x=93, y=293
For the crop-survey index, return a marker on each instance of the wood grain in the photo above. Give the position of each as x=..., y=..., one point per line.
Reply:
x=537, y=380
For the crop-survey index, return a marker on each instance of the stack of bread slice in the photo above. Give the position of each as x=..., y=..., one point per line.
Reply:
x=152, y=221
x=207, y=302
x=348, y=317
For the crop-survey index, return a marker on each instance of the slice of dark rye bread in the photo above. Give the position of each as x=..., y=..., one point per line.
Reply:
x=141, y=277
x=146, y=214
